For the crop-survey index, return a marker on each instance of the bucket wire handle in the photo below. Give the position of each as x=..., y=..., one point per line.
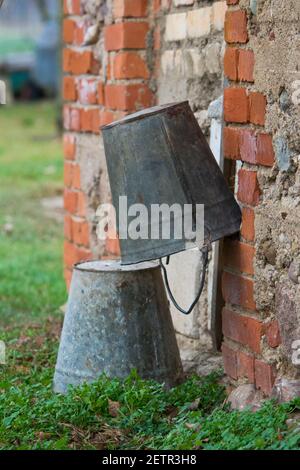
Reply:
x=202, y=281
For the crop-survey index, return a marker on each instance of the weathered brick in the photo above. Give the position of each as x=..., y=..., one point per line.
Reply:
x=265, y=153
x=105, y=117
x=128, y=97
x=239, y=256
x=76, y=180
x=229, y=361
x=176, y=27
x=68, y=174
x=69, y=89
x=129, y=8
x=248, y=188
x=90, y=120
x=68, y=227
x=68, y=278
x=199, y=22
x=246, y=66
x=272, y=333
x=69, y=146
x=231, y=143
x=70, y=201
x=80, y=232
x=218, y=15
x=71, y=118
x=112, y=244
x=245, y=366
x=129, y=65
x=236, y=106
x=126, y=36
x=245, y=330
x=72, y=7
x=100, y=93
x=248, y=228
x=257, y=105
x=81, y=204
x=248, y=146
x=68, y=30
x=238, y=290
x=236, y=26
x=264, y=376
x=87, y=90
x=231, y=58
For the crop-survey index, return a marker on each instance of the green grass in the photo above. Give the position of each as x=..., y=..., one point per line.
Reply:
x=31, y=280
x=110, y=414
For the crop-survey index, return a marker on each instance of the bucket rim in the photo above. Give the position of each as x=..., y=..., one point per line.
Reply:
x=113, y=266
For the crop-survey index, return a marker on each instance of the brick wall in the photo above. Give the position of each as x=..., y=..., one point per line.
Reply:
x=123, y=55
x=254, y=118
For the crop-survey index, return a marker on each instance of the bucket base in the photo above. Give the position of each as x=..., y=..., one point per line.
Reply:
x=117, y=319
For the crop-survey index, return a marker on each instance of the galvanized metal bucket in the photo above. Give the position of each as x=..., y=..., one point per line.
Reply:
x=160, y=156
x=117, y=319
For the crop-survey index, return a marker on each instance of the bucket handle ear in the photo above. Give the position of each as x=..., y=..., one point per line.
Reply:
x=204, y=252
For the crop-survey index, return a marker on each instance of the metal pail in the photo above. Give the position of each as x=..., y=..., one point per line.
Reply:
x=117, y=319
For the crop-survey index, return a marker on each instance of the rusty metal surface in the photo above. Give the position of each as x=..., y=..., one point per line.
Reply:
x=160, y=156
x=117, y=319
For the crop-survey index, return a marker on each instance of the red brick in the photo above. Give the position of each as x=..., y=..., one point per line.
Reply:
x=231, y=58
x=72, y=7
x=70, y=254
x=112, y=244
x=231, y=143
x=257, y=106
x=70, y=201
x=264, y=376
x=245, y=366
x=248, y=189
x=71, y=118
x=79, y=32
x=128, y=97
x=80, y=231
x=236, y=26
x=68, y=174
x=265, y=153
x=245, y=330
x=239, y=256
x=100, y=93
x=236, y=106
x=81, y=204
x=105, y=117
x=248, y=146
x=157, y=38
x=76, y=176
x=68, y=30
x=247, y=228
x=83, y=254
x=126, y=36
x=68, y=227
x=80, y=63
x=232, y=2
x=68, y=278
x=130, y=8
x=246, y=66
x=129, y=65
x=273, y=334
x=156, y=4
x=69, y=89
x=238, y=290
x=67, y=60
x=90, y=120
x=229, y=361
x=87, y=91
x=69, y=145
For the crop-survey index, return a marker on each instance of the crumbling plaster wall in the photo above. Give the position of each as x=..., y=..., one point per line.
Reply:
x=277, y=267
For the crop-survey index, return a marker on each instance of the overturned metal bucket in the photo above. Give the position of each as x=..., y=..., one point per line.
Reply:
x=117, y=319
